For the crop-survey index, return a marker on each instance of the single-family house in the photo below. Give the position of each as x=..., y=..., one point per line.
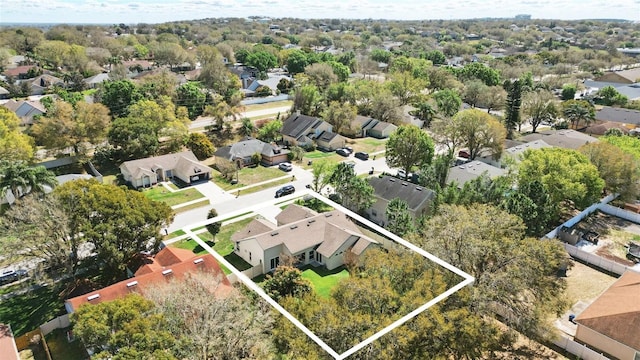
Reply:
x=567, y=139
x=513, y=153
x=387, y=188
x=19, y=72
x=167, y=265
x=242, y=153
x=8, y=347
x=602, y=128
x=301, y=130
x=629, y=76
x=26, y=110
x=466, y=172
x=382, y=130
x=330, y=141
x=293, y=213
x=4, y=93
x=94, y=81
x=360, y=125
x=44, y=82
x=149, y=171
x=320, y=240
x=246, y=73
x=619, y=115
x=611, y=323
x=271, y=82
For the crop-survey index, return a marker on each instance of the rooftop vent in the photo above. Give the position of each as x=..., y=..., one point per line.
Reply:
x=311, y=221
x=198, y=261
x=274, y=233
x=133, y=283
x=293, y=227
x=392, y=180
x=93, y=297
x=418, y=188
x=461, y=166
x=328, y=214
x=167, y=272
x=404, y=184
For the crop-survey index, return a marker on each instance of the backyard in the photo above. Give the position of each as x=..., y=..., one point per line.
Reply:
x=61, y=349
x=324, y=280
x=28, y=311
x=615, y=235
x=160, y=193
x=368, y=144
x=222, y=244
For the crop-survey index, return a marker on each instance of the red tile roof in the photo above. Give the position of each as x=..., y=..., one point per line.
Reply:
x=8, y=348
x=164, y=258
x=18, y=70
x=150, y=279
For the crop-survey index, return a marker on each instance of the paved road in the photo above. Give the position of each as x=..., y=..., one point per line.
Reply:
x=226, y=203
x=204, y=121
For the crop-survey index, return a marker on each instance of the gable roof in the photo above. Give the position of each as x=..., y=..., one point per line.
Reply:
x=97, y=79
x=516, y=151
x=17, y=71
x=256, y=226
x=145, y=281
x=297, y=125
x=467, y=172
x=616, y=313
x=327, y=136
x=631, y=75
x=619, y=115
x=3, y=91
x=332, y=227
x=293, y=213
x=568, y=139
x=383, y=125
x=246, y=148
x=389, y=188
x=601, y=129
x=363, y=122
x=185, y=160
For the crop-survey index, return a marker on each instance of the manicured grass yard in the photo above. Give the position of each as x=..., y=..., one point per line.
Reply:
x=270, y=184
x=30, y=310
x=271, y=105
x=222, y=245
x=369, y=145
x=248, y=176
x=316, y=155
x=323, y=280
x=160, y=193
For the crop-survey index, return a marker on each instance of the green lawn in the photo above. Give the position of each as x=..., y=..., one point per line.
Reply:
x=248, y=176
x=28, y=311
x=316, y=155
x=369, y=145
x=222, y=244
x=175, y=234
x=160, y=193
x=264, y=186
x=61, y=349
x=323, y=280
x=271, y=105
x=196, y=205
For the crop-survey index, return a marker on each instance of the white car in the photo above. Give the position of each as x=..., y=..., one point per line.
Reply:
x=285, y=166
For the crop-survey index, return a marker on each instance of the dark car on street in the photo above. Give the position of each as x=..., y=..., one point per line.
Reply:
x=362, y=155
x=285, y=190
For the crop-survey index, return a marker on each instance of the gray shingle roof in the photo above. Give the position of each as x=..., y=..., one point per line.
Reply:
x=293, y=213
x=297, y=125
x=467, y=172
x=389, y=188
x=186, y=161
x=625, y=116
x=568, y=139
x=246, y=148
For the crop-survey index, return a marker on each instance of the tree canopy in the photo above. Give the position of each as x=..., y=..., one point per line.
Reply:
x=14, y=145
x=409, y=147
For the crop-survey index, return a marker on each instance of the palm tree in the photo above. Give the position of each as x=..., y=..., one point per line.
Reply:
x=576, y=111
x=21, y=179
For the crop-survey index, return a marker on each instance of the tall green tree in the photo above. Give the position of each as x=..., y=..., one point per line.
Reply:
x=118, y=96
x=405, y=86
x=270, y=131
x=473, y=92
x=14, y=145
x=409, y=147
x=201, y=146
x=515, y=276
x=448, y=102
x=578, y=111
x=192, y=97
x=120, y=223
x=512, y=106
x=340, y=116
x=21, y=179
x=286, y=281
x=262, y=60
x=566, y=175
x=307, y=100
x=477, y=70
x=399, y=218
x=134, y=137
x=532, y=204
x=538, y=107
x=322, y=171
x=619, y=170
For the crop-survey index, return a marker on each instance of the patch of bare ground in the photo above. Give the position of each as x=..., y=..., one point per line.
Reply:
x=526, y=349
x=585, y=283
x=615, y=235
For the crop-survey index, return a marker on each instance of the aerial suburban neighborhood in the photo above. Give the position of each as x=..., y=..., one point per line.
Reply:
x=286, y=188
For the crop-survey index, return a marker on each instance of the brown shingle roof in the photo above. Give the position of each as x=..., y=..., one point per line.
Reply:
x=616, y=313
x=255, y=227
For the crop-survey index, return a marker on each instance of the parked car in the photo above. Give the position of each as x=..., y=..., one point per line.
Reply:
x=285, y=166
x=351, y=164
x=464, y=154
x=9, y=276
x=285, y=190
x=402, y=175
x=343, y=152
x=349, y=149
x=361, y=155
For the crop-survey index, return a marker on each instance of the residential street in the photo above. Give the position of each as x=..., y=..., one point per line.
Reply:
x=225, y=202
x=204, y=121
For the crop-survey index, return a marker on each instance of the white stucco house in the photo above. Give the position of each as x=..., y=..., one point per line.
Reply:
x=149, y=171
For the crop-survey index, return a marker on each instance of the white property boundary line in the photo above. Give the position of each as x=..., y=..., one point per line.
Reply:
x=467, y=279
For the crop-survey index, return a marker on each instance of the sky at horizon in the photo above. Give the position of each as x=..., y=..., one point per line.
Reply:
x=157, y=11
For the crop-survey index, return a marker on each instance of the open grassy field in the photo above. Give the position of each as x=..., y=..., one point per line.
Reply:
x=271, y=105
x=160, y=193
x=368, y=145
x=585, y=283
x=30, y=310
